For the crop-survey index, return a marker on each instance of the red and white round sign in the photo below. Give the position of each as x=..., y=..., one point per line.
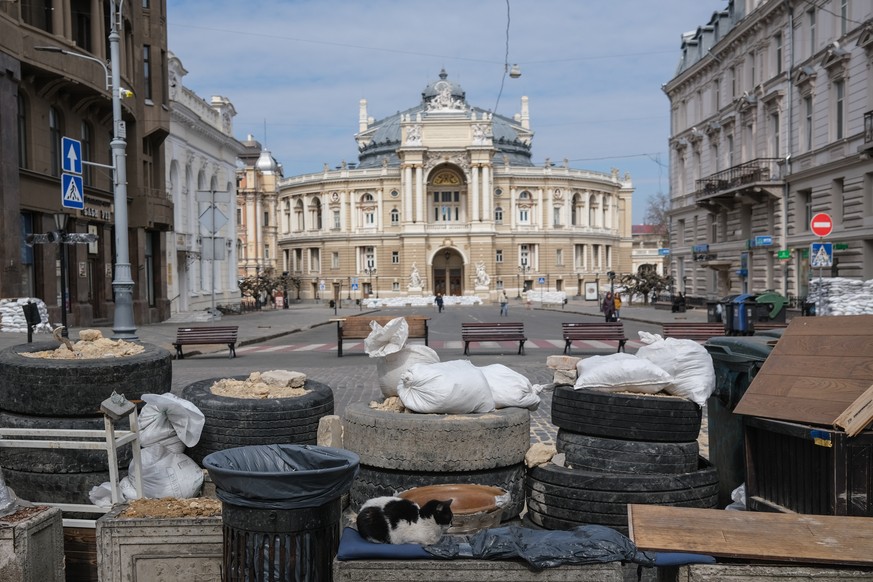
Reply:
x=821, y=224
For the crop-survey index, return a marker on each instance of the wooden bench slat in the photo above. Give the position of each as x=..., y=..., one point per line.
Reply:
x=582, y=331
x=358, y=327
x=219, y=334
x=693, y=330
x=486, y=332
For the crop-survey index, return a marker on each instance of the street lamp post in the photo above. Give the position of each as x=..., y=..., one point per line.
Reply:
x=61, y=224
x=523, y=269
x=370, y=270
x=122, y=285
x=611, y=275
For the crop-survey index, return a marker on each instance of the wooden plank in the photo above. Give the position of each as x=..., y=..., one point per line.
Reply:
x=783, y=537
x=817, y=370
x=857, y=416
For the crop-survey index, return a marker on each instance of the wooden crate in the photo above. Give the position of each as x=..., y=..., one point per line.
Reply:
x=807, y=469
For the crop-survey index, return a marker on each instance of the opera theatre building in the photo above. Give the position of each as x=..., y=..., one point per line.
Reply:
x=445, y=199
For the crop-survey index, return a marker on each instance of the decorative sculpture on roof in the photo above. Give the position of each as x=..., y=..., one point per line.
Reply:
x=413, y=135
x=443, y=99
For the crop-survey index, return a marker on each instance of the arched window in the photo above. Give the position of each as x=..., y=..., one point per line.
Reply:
x=524, y=204
x=574, y=214
x=447, y=193
x=368, y=207
x=287, y=211
x=395, y=217
x=315, y=213
x=55, y=140
x=298, y=210
x=498, y=215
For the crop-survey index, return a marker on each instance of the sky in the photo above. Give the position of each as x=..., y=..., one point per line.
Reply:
x=295, y=71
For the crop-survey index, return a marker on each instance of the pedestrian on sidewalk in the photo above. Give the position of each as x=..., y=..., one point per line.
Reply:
x=616, y=301
x=608, y=307
x=439, y=302
x=504, y=304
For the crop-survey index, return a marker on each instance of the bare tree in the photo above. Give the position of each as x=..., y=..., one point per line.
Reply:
x=656, y=213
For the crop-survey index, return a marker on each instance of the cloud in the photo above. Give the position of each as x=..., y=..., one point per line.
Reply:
x=295, y=71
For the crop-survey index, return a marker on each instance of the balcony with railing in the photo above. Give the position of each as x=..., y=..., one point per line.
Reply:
x=748, y=183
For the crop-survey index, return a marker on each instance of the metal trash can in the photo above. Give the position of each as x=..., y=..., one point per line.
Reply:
x=770, y=306
x=714, y=312
x=281, y=509
x=736, y=361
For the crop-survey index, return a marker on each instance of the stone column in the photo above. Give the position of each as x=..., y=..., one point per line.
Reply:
x=474, y=183
x=419, y=194
x=407, y=193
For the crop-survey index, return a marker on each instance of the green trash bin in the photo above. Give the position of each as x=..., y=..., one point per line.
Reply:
x=770, y=306
x=736, y=360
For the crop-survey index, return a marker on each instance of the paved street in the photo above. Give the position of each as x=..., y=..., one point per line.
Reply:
x=303, y=338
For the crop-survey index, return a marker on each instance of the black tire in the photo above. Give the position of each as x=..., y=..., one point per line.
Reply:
x=436, y=442
x=237, y=422
x=373, y=482
x=559, y=497
x=588, y=453
x=637, y=417
x=55, y=487
x=42, y=387
x=58, y=460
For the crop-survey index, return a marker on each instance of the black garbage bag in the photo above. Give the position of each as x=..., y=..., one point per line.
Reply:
x=282, y=476
x=585, y=544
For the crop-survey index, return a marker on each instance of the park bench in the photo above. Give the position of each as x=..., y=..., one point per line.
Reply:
x=188, y=336
x=601, y=331
x=358, y=327
x=693, y=330
x=493, y=332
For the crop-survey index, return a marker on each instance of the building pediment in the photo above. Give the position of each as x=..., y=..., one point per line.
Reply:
x=865, y=40
x=836, y=60
x=804, y=79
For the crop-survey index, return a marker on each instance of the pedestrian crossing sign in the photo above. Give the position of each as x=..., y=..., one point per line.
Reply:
x=821, y=255
x=71, y=191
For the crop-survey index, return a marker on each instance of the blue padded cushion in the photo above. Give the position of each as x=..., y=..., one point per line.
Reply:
x=680, y=558
x=353, y=547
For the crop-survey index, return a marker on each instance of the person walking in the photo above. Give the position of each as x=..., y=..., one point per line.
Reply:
x=616, y=301
x=504, y=304
x=608, y=307
x=439, y=302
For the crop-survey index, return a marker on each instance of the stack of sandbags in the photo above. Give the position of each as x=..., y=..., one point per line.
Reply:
x=12, y=315
x=841, y=296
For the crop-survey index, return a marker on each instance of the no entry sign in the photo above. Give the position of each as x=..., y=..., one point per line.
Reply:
x=821, y=224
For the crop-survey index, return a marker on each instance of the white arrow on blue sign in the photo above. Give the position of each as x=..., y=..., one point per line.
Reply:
x=71, y=191
x=71, y=155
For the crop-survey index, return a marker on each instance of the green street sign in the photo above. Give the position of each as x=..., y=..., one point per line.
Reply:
x=784, y=254
x=841, y=246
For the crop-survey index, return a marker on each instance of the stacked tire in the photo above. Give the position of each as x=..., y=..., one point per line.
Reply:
x=619, y=449
x=41, y=394
x=238, y=422
x=400, y=451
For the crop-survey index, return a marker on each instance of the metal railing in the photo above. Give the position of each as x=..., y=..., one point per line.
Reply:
x=753, y=172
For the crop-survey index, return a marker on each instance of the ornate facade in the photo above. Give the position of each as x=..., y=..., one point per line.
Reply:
x=445, y=199
x=201, y=155
x=256, y=213
x=45, y=96
x=772, y=122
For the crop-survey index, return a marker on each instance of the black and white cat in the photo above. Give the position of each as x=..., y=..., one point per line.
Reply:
x=393, y=520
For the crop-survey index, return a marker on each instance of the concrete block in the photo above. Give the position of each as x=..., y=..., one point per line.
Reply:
x=158, y=549
x=565, y=377
x=330, y=431
x=777, y=573
x=32, y=545
x=465, y=570
x=562, y=362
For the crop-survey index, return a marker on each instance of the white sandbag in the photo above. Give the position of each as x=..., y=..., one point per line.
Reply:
x=455, y=387
x=389, y=368
x=509, y=388
x=388, y=339
x=170, y=421
x=620, y=373
x=164, y=474
x=687, y=361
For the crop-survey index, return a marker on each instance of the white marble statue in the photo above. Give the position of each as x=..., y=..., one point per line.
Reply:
x=482, y=278
x=414, y=278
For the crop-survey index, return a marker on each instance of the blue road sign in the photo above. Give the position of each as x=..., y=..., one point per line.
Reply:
x=354, y=286
x=821, y=254
x=71, y=155
x=72, y=195
x=541, y=280
x=663, y=252
x=763, y=241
